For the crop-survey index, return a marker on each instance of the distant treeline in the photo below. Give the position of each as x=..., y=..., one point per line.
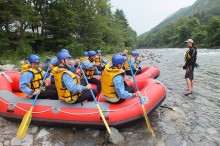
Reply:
x=205, y=31
x=28, y=26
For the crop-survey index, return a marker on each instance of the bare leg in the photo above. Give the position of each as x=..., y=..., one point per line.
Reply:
x=189, y=84
x=192, y=84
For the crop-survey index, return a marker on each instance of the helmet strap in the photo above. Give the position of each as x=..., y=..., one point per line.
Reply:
x=64, y=64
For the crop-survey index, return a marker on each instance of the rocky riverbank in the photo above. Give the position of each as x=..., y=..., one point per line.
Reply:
x=194, y=122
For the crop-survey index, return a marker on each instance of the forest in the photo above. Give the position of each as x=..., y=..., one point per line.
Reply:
x=46, y=26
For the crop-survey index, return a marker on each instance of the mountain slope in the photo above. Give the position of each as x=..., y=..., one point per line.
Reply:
x=200, y=12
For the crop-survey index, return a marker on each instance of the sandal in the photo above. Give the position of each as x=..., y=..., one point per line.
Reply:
x=187, y=93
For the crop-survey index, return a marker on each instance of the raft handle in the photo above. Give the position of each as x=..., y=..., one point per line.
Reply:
x=10, y=110
x=107, y=118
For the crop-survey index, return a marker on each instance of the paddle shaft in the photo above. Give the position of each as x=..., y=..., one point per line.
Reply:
x=100, y=111
x=144, y=111
x=45, y=76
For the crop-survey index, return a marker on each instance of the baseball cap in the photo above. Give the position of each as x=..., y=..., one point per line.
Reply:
x=189, y=40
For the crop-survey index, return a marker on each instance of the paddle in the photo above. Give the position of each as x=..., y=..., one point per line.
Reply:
x=142, y=105
x=27, y=117
x=100, y=111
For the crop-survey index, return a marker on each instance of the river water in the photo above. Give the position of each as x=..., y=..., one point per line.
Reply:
x=195, y=122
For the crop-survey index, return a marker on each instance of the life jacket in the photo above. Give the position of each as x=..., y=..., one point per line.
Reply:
x=108, y=88
x=83, y=58
x=63, y=93
x=98, y=60
x=88, y=72
x=38, y=76
x=127, y=67
x=188, y=56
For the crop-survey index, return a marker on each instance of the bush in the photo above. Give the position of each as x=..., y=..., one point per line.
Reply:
x=23, y=51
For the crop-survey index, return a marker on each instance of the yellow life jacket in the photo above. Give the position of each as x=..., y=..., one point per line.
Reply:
x=83, y=58
x=63, y=93
x=127, y=67
x=88, y=72
x=188, y=56
x=98, y=60
x=38, y=76
x=108, y=88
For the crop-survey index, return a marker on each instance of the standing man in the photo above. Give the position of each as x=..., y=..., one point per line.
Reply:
x=113, y=87
x=190, y=61
x=68, y=84
x=31, y=78
x=90, y=69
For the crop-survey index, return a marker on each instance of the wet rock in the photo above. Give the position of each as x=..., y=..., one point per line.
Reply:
x=59, y=144
x=115, y=137
x=22, y=62
x=46, y=143
x=43, y=134
x=174, y=118
x=84, y=142
x=7, y=67
x=211, y=131
x=194, y=138
x=16, y=141
x=169, y=130
x=174, y=140
x=34, y=129
x=7, y=142
x=27, y=140
x=93, y=133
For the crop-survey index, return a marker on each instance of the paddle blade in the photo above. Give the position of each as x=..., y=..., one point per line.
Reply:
x=147, y=121
x=24, y=124
x=104, y=120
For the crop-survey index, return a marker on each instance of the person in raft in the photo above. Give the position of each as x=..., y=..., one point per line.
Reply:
x=190, y=62
x=31, y=78
x=68, y=84
x=99, y=61
x=113, y=87
x=85, y=56
x=90, y=69
x=72, y=67
x=134, y=62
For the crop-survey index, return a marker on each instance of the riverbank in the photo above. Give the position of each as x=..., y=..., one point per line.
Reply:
x=196, y=121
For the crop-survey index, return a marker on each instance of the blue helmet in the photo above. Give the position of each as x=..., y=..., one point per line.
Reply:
x=118, y=59
x=134, y=53
x=34, y=58
x=64, y=50
x=99, y=51
x=91, y=53
x=54, y=61
x=138, y=54
x=63, y=55
x=85, y=54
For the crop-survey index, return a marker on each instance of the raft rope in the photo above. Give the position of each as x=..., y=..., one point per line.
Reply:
x=6, y=76
x=79, y=114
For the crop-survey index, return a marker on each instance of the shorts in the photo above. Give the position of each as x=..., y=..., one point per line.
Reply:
x=190, y=74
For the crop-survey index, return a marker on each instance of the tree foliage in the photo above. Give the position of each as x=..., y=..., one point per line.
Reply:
x=48, y=25
x=201, y=22
x=205, y=33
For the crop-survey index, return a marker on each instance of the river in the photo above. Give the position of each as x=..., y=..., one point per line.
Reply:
x=195, y=122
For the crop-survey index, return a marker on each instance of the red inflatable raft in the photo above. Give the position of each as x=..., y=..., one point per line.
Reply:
x=14, y=105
